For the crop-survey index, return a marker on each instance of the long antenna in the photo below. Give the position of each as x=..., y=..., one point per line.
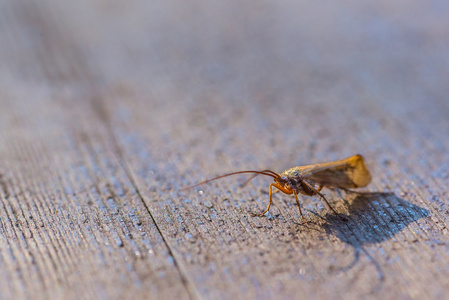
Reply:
x=257, y=174
x=265, y=172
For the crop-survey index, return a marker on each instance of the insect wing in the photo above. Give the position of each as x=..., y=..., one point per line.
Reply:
x=347, y=173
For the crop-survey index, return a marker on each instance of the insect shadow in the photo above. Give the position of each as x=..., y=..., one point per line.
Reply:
x=373, y=218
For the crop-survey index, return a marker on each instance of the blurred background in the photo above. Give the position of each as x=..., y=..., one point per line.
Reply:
x=145, y=97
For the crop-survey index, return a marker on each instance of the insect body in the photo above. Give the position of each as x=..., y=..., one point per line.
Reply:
x=310, y=179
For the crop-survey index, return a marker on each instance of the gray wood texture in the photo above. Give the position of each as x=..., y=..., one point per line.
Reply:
x=108, y=108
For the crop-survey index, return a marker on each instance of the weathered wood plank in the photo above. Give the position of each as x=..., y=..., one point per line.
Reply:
x=73, y=225
x=108, y=109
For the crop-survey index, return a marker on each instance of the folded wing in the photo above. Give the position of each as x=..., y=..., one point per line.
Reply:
x=346, y=173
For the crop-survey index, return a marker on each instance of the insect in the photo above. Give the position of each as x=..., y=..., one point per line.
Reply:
x=309, y=180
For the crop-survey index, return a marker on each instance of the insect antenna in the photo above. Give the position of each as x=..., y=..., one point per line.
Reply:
x=265, y=172
x=252, y=177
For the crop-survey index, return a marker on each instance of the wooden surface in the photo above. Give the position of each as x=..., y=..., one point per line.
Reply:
x=109, y=107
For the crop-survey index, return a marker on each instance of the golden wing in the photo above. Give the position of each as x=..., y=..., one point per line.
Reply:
x=346, y=173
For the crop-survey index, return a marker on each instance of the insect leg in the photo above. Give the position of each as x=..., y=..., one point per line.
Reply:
x=269, y=202
x=322, y=196
x=297, y=202
x=320, y=188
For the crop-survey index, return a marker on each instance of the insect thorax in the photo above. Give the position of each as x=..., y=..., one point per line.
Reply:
x=293, y=180
x=290, y=173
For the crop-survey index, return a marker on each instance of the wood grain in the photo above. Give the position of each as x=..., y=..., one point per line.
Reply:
x=108, y=109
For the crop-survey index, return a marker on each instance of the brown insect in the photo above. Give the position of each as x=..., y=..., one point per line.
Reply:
x=308, y=180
